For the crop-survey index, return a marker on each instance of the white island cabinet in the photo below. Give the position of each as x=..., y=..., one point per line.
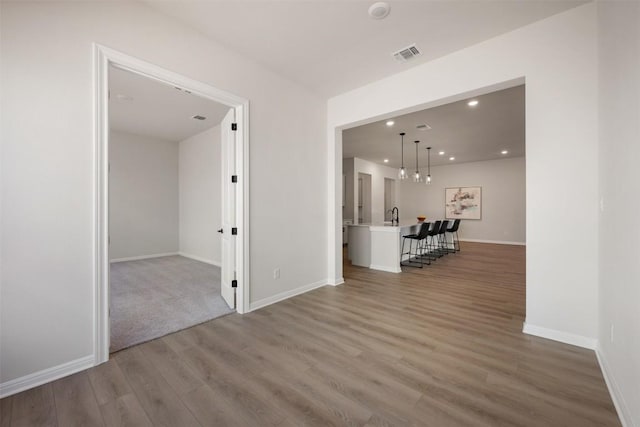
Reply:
x=377, y=246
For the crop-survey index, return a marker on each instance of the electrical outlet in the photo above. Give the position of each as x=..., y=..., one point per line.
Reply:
x=276, y=273
x=611, y=335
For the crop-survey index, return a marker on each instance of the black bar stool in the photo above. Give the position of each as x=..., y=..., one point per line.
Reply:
x=431, y=241
x=453, y=230
x=442, y=249
x=419, y=249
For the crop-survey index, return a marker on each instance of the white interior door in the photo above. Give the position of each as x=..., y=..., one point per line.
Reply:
x=228, y=155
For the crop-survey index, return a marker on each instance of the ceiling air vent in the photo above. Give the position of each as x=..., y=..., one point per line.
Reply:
x=407, y=53
x=199, y=117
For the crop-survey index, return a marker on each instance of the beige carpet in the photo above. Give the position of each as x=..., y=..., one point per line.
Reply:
x=154, y=297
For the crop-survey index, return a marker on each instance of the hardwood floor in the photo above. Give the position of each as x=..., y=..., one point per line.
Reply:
x=438, y=346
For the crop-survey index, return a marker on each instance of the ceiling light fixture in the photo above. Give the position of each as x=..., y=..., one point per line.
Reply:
x=441, y=153
x=416, y=176
x=452, y=158
x=402, y=173
x=386, y=160
x=472, y=103
x=379, y=10
x=504, y=152
x=428, y=180
x=390, y=123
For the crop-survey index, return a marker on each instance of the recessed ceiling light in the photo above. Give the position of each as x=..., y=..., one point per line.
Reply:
x=390, y=123
x=379, y=10
x=452, y=158
x=441, y=153
x=472, y=103
x=386, y=160
x=504, y=152
x=199, y=117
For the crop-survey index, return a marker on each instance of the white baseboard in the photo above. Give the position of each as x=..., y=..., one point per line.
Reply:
x=495, y=242
x=337, y=282
x=47, y=375
x=565, y=337
x=197, y=258
x=136, y=258
x=286, y=295
x=618, y=400
x=384, y=268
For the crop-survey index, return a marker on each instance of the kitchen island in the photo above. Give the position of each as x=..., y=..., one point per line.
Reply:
x=377, y=245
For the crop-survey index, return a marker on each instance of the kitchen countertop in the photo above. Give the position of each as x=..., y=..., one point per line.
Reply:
x=377, y=245
x=386, y=224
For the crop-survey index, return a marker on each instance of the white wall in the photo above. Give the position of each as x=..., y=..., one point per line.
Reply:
x=557, y=57
x=200, y=196
x=503, y=198
x=619, y=59
x=143, y=191
x=48, y=169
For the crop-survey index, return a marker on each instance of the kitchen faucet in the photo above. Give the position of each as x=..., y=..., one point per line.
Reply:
x=397, y=217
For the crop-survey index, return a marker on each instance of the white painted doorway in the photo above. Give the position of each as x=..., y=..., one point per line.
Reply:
x=228, y=155
x=389, y=197
x=237, y=260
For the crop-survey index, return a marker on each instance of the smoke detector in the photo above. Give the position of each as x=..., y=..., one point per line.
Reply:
x=407, y=53
x=379, y=10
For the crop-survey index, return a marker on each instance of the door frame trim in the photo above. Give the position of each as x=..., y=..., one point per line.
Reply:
x=103, y=57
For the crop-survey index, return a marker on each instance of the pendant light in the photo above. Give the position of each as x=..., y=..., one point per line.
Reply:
x=416, y=176
x=402, y=173
x=428, y=180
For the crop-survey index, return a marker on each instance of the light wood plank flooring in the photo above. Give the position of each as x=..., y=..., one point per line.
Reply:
x=438, y=346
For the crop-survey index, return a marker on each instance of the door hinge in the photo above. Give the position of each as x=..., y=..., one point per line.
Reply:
x=234, y=126
x=234, y=283
x=234, y=231
x=234, y=178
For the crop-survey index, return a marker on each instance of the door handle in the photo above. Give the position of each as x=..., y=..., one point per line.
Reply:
x=221, y=231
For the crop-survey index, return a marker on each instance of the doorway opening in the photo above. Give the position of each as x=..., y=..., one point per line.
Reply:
x=472, y=146
x=389, y=198
x=165, y=197
x=364, y=198
x=198, y=226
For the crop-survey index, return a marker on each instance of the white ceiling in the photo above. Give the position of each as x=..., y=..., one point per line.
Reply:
x=468, y=133
x=154, y=109
x=331, y=46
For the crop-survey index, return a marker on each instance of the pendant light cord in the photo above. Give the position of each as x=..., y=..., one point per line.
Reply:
x=402, y=147
x=428, y=180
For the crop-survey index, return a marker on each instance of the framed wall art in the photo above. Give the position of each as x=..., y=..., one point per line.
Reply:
x=463, y=203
